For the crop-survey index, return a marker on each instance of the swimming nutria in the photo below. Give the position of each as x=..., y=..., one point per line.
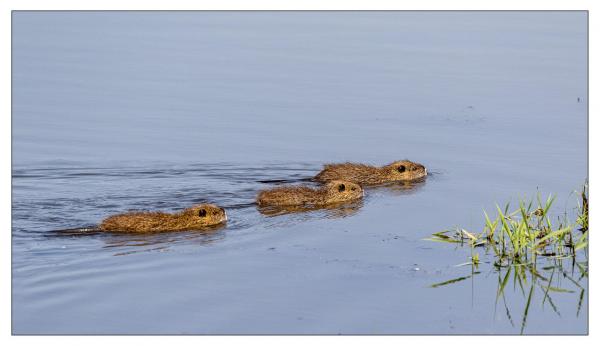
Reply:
x=333, y=192
x=196, y=217
x=370, y=175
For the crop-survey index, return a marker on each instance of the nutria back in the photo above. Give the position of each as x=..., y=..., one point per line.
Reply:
x=333, y=192
x=196, y=217
x=362, y=174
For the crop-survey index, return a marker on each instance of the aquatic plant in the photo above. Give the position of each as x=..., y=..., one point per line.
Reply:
x=520, y=236
x=533, y=283
x=516, y=240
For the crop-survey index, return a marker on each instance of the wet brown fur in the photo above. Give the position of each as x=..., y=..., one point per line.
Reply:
x=370, y=175
x=196, y=217
x=332, y=192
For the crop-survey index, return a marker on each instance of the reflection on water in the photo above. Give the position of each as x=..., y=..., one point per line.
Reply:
x=154, y=241
x=400, y=188
x=142, y=242
x=165, y=240
x=74, y=232
x=531, y=283
x=330, y=211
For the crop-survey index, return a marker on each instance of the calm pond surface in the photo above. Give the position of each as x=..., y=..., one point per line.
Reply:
x=115, y=111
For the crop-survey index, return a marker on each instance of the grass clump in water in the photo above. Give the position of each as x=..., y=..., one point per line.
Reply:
x=520, y=236
x=516, y=241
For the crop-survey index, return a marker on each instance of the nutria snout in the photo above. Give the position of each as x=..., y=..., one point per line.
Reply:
x=333, y=192
x=196, y=217
x=403, y=170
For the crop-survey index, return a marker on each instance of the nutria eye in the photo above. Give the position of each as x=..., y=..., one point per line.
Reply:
x=215, y=212
x=401, y=169
x=341, y=187
x=202, y=213
x=353, y=189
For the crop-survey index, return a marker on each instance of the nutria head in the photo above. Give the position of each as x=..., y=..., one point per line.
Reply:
x=205, y=215
x=405, y=170
x=342, y=191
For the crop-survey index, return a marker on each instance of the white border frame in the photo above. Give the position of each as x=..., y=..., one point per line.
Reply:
x=7, y=6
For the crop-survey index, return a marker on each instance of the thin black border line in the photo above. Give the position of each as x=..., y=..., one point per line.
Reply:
x=209, y=11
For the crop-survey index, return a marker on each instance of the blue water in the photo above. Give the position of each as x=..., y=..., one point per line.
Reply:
x=115, y=111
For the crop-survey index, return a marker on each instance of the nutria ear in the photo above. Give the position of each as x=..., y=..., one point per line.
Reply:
x=401, y=168
x=202, y=212
x=341, y=187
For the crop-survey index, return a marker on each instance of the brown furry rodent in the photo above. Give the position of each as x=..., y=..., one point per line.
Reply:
x=370, y=175
x=196, y=217
x=333, y=192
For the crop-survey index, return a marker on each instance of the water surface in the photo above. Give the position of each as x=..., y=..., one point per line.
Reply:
x=115, y=111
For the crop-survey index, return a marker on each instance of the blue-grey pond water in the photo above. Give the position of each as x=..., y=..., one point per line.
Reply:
x=115, y=111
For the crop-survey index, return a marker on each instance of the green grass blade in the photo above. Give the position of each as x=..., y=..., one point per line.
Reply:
x=524, y=321
x=450, y=281
x=552, y=235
